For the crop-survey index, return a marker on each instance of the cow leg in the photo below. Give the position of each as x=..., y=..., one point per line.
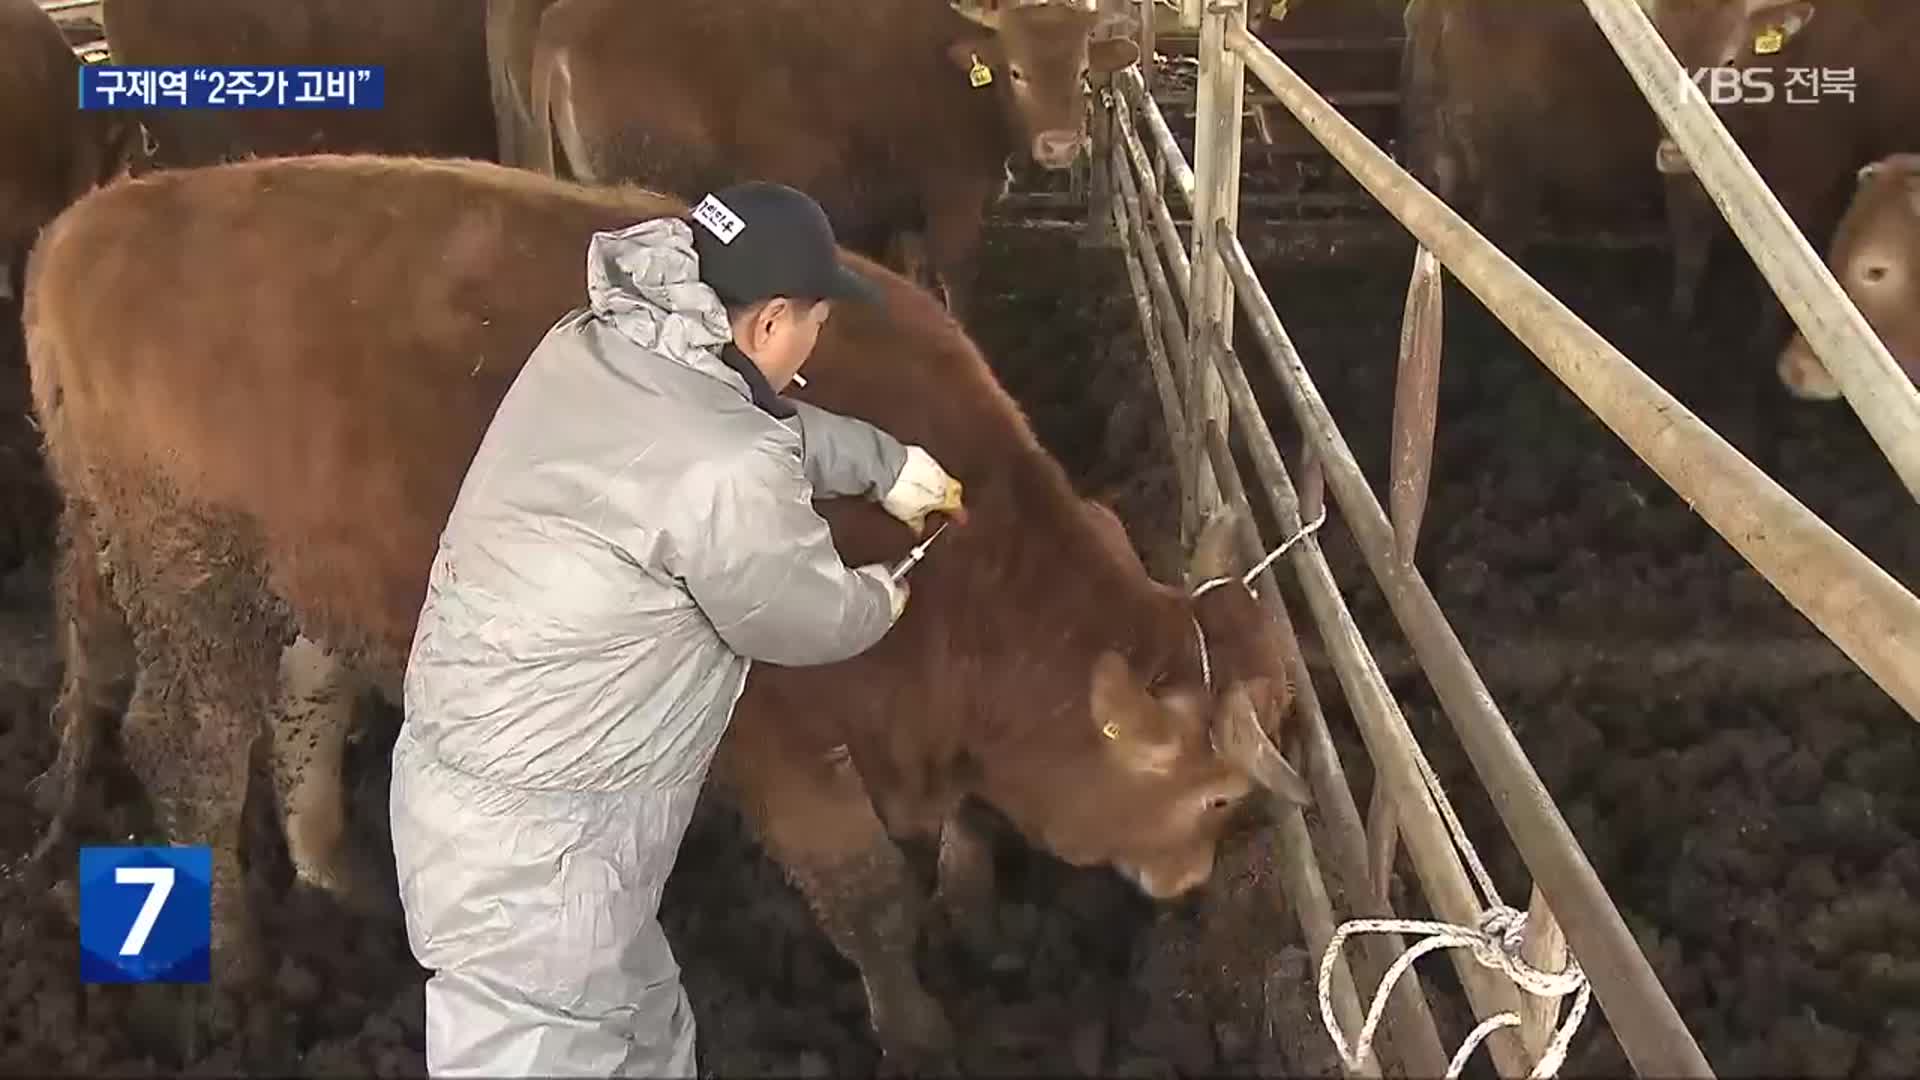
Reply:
x=907, y=252
x=191, y=755
x=954, y=215
x=318, y=692
x=1692, y=221
x=814, y=817
x=1508, y=185
x=208, y=651
x=966, y=880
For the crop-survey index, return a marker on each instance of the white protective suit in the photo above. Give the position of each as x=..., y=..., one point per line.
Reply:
x=636, y=526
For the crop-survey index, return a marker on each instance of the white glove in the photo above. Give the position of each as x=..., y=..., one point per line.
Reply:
x=921, y=488
x=896, y=590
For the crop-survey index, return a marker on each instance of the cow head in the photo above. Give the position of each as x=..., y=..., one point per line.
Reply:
x=1035, y=55
x=1160, y=770
x=1725, y=34
x=1876, y=258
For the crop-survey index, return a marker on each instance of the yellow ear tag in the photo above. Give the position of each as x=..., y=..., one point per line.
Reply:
x=1768, y=41
x=979, y=74
x=1110, y=729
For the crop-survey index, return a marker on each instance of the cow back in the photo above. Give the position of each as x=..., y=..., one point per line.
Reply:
x=335, y=333
x=852, y=101
x=315, y=347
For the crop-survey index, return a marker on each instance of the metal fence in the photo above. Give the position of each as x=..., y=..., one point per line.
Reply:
x=1188, y=291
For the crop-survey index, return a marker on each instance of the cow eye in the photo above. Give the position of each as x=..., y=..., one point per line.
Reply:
x=1019, y=74
x=1873, y=274
x=1218, y=802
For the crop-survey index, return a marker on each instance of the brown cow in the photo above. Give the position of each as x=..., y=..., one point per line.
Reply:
x=898, y=116
x=1876, y=257
x=50, y=151
x=288, y=474
x=434, y=53
x=1806, y=151
x=1511, y=109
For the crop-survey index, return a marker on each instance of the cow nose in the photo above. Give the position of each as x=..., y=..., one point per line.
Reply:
x=1056, y=149
x=1669, y=160
x=1804, y=376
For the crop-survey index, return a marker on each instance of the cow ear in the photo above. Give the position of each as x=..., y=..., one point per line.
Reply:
x=1131, y=720
x=1111, y=54
x=1774, y=25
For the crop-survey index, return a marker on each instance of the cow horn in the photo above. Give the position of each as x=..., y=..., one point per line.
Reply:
x=1237, y=738
x=1213, y=551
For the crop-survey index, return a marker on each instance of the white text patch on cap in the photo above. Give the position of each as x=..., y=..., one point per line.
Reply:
x=719, y=219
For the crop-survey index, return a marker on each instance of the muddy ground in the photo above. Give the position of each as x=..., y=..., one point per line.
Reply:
x=1740, y=789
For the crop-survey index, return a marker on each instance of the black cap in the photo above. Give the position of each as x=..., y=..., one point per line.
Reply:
x=759, y=240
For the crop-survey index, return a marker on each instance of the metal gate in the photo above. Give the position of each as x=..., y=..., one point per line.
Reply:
x=1520, y=968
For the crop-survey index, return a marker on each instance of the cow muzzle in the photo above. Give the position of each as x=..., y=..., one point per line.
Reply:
x=1669, y=160
x=1056, y=149
x=1802, y=373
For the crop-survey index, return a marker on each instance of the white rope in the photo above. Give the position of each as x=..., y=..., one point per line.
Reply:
x=1496, y=943
x=1206, y=662
x=1246, y=579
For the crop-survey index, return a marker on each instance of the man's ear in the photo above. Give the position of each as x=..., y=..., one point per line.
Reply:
x=767, y=319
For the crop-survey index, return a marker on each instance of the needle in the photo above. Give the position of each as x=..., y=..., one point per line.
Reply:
x=919, y=551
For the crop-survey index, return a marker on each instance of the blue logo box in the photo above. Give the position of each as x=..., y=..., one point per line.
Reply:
x=146, y=914
x=122, y=86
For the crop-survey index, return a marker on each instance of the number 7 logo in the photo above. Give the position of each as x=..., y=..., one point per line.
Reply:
x=160, y=878
x=146, y=914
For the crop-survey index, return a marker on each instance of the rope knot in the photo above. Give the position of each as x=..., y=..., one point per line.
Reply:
x=1503, y=930
x=1503, y=933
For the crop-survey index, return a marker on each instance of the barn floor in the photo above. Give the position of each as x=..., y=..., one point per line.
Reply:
x=1744, y=793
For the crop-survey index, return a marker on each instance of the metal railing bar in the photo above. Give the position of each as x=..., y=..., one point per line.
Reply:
x=1384, y=729
x=1299, y=867
x=1644, y=1020
x=1126, y=210
x=1183, y=181
x=1177, y=338
x=1409, y=1017
x=1162, y=217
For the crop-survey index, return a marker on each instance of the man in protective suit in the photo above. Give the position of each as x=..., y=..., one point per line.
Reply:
x=636, y=527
